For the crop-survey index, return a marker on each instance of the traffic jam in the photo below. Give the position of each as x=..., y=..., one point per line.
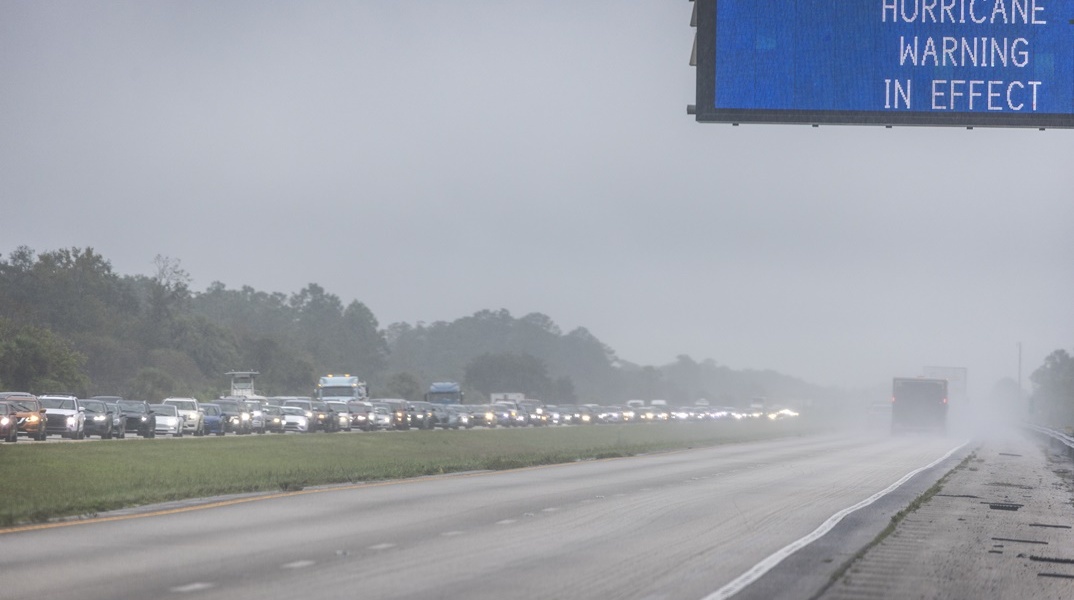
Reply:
x=341, y=405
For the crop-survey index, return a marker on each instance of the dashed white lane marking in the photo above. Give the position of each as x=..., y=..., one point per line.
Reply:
x=550, y=509
x=451, y=533
x=299, y=564
x=758, y=570
x=383, y=546
x=505, y=522
x=191, y=587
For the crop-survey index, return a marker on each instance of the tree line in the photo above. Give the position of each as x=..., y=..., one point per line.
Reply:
x=69, y=323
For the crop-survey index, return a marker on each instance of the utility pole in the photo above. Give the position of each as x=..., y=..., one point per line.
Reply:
x=1019, y=373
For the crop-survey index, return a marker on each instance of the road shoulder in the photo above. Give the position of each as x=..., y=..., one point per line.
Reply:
x=1002, y=526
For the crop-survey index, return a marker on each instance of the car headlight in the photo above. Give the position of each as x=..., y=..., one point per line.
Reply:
x=99, y=418
x=71, y=420
x=144, y=418
x=245, y=416
x=33, y=418
x=309, y=414
x=5, y=421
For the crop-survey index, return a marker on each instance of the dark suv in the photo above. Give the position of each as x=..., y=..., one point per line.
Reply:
x=99, y=419
x=236, y=415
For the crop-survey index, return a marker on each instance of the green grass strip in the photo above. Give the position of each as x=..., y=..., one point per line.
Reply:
x=48, y=481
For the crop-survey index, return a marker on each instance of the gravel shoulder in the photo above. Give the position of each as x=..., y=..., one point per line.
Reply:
x=1002, y=526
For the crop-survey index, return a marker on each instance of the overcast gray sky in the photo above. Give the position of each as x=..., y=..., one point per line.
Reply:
x=432, y=159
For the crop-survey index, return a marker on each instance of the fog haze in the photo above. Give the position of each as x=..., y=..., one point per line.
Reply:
x=432, y=159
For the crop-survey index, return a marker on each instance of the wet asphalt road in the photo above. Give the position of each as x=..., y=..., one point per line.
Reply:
x=672, y=525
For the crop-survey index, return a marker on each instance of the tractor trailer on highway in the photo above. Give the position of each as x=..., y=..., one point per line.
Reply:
x=341, y=388
x=918, y=404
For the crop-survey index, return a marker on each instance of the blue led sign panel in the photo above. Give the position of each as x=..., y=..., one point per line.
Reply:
x=912, y=62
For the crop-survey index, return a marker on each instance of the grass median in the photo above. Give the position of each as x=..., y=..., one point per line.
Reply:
x=47, y=481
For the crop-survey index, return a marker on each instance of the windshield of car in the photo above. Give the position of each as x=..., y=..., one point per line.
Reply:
x=93, y=406
x=133, y=406
x=182, y=404
x=165, y=409
x=228, y=406
x=24, y=405
x=57, y=403
x=302, y=404
x=293, y=410
x=211, y=409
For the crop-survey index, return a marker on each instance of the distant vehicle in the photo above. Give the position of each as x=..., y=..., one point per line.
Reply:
x=421, y=415
x=362, y=415
x=918, y=404
x=399, y=411
x=342, y=388
x=382, y=417
x=508, y=414
x=645, y=414
x=119, y=422
x=316, y=411
x=139, y=417
x=29, y=414
x=585, y=415
x=213, y=418
x=552, y=414
x=255, y=407
x=451, y=416
x=534, y=412
x=9, y=423
x=274, y=421
x=168, y=420
x=484, y=415
x=342, y=412
x=98, y=419
x=296, y=418
x=63, y=415
x=445, y=392
x=459, y=417
x=236, y=415
x=190, y=411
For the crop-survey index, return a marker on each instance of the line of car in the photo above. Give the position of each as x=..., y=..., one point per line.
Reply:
x=109, y=417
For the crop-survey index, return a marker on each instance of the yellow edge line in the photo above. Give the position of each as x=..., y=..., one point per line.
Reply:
x=223, y=503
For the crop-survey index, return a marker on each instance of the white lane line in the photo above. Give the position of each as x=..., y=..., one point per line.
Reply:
x=758, y=570
x=383, y=546
x=451, y=533
x=191, y=587
x=550, y=509
x=299, y=564
x=505, y=522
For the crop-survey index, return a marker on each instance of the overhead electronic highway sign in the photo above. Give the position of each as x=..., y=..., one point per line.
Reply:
x=970, y=63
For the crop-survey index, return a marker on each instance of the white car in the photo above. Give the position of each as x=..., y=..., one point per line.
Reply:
x=63, y=416
x=168, y=420
x=295, y=419
x=190, y=412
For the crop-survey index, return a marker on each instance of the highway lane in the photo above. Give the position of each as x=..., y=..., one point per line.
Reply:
x=670, y=525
